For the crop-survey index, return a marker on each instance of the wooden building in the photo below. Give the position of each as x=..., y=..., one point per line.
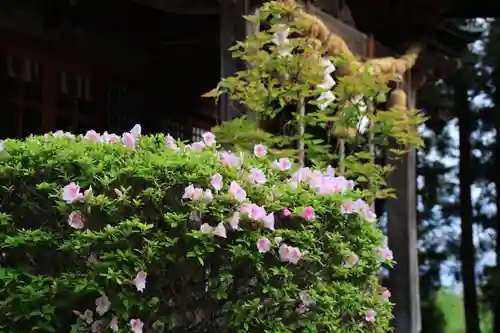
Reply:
x=108, y=64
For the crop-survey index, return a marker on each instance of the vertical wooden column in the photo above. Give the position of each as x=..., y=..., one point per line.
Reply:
x=233, y=27
x=402, y=235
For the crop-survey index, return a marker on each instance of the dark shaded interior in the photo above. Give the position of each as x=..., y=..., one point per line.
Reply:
x=107, y=64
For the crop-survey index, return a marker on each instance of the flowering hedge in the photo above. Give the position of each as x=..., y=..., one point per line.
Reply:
x=147, y=234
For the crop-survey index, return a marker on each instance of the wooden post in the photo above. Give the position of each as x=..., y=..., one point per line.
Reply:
x=232, y=29
x=402, y=235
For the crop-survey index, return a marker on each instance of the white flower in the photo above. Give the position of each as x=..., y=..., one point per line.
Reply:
x=280, y=37
x=328, y=82
x=96, y=326
x=88, y=316
x=207, y=196
x=324, y=99
x=363, y=124
x=206, y=228
x=140, y=281
x=136, y=131
x=102, y=305
x=220, y=230
x=113, y=324
x=88, y=194
x=370, y=315
x=2, y=146
x=235, y=220
x=329, y=66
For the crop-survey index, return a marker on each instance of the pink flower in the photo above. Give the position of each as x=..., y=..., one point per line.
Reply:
x=71, y=193
x=286, y=212
x=257, y=176
x=113, y=324
x=290, y=254
x=235, y=221
x=263, y=245
x=128, y=140
x=102, y=305
x=198, y=146
x=308, y=213
x=386, y=294
x=254, y=212
x=384, y=253
x=136, y=325
x=283, y=164
x=347, y=207
x=351, y=261
x=195, y=194
x=110, y=138
x=216, y=182
x=301, y=175
x=236, y=191
x=260, y=150
x=92, y=136
x=136, y=131
x=330, y=172
x=209, y=139
x=229, y=160
x=370, y=315
x=76, y=220
x=140, y=281
x=284, y=252
x=295, y=255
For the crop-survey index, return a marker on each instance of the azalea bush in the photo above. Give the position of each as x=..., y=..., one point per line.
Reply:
x=135, y=233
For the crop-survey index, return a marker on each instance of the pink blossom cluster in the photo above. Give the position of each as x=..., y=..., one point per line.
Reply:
x=321, y=183
x=358, y=207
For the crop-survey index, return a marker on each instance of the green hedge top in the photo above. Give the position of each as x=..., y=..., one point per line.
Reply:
x=148, y=234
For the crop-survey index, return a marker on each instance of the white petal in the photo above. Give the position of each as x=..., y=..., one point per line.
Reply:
x=220, y=230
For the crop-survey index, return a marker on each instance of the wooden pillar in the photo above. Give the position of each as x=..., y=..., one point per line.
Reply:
x=402, y=235
x=233, y=27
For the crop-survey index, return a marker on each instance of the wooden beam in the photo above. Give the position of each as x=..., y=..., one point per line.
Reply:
x=182, y=7
x=232, y=28
x=402, y=235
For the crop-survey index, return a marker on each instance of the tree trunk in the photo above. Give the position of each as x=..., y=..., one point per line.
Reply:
x=467, y=251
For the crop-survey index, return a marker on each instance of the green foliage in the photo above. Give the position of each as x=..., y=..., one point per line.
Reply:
x=290, y=76
x=136, y=224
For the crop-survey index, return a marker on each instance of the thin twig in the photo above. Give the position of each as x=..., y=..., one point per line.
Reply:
x=301, y=110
